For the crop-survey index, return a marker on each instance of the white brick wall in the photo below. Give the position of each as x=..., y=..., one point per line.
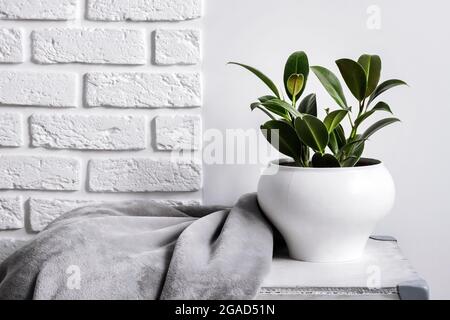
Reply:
x=91, y=108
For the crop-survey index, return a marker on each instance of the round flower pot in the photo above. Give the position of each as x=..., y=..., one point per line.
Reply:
x=326, y=214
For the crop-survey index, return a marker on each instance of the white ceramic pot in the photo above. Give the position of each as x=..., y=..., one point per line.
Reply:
x=326, y=214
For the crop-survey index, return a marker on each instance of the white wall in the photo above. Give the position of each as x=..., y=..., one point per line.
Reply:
x=413, y=43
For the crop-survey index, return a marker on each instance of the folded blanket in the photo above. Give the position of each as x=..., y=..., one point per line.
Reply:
x=144, y=250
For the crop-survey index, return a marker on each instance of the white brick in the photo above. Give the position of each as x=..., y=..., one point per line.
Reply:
x=10, y=130
x=143, y=175
x=38, y=9
x=181, y=132
x=144, y=10
x=44, y=211
x=38, y=89
x=143, y=90
x=177, y=47
x=11, y=213
x=88, y=132
x=94, y=46
x=8, y=246
x=11, y=50
x=39, y=173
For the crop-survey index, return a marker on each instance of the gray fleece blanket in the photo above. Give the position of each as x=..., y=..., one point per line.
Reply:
x=144, y=250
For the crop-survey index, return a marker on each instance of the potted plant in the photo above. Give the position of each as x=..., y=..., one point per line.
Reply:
x=325, y=199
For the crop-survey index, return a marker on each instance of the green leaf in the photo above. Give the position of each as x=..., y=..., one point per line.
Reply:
x=333, y=119
x=333, y=143
x=356, y=154
x=257, y=105
x=382, y=106
x=372, y=67
x=331, y=84
x=325, y=161
x=277, y=104
x=295, y=84
x=377, y=126
x=308, y=105
x=340, y=136
x=266, y=98
x=261, y=76
x=297, y=63
x=354, y=76
x=283, y=137
x=389, y=84
x=312, y=132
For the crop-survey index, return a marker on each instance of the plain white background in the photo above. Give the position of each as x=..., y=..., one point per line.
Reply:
x=413, y=43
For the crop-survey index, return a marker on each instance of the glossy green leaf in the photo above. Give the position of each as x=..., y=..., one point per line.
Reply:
x=261, y=76
x=382, y=106
x=331, y=84
x=297, y=63
x=372, y=67
x=377, y=126
x=312, y=132
x=333, y=143
x=266, y=98
x=283, y=137
x=354, y=76
x=333, y=119
x=272, y=107
x=355, y=155
x=277, y=103
x=295, y=84
x=389, y=84
x=325, y=161
x=308, y=105
x=257, y=105
x=340, y=136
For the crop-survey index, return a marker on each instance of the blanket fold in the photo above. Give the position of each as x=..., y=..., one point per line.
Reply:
x=144, y=250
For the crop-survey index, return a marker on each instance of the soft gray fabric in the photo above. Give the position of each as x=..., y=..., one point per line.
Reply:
x=144, y=250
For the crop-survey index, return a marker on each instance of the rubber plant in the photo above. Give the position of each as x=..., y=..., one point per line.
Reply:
x=294, y=127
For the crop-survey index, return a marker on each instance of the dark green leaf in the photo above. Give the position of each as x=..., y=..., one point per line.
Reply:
x=389, y=84
x=372, y=67
x=257, y=105
x=333, y=143
x=354, y=76
x=382, y=106
x=272, y=107
x=261, y=76
x=340, y=136
x=333, y=119
x=308, y=105
x=295, y=84
x=277, y=103
x=331, y=84
x=297, y=63
x=312, y=132
x=356, y=154
x=266, y=98
x=377, y=126
x=283, y=137
x=325, y=161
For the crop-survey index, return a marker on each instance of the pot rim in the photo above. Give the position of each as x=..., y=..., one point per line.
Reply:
x=279, y=163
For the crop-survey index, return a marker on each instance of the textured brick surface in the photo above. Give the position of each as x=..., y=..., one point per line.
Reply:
x=38, y=89
x=143, y=175
x=177, y=47
x=10, y=130
x=38, y=9
x=83, y=45
x=178, y=132
x=44, y=211
x=144, y=10
x=11, y=213
x=90, y=132
x=143, y=90
x=39, y=173
x=11, y=47
x=8, y=246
